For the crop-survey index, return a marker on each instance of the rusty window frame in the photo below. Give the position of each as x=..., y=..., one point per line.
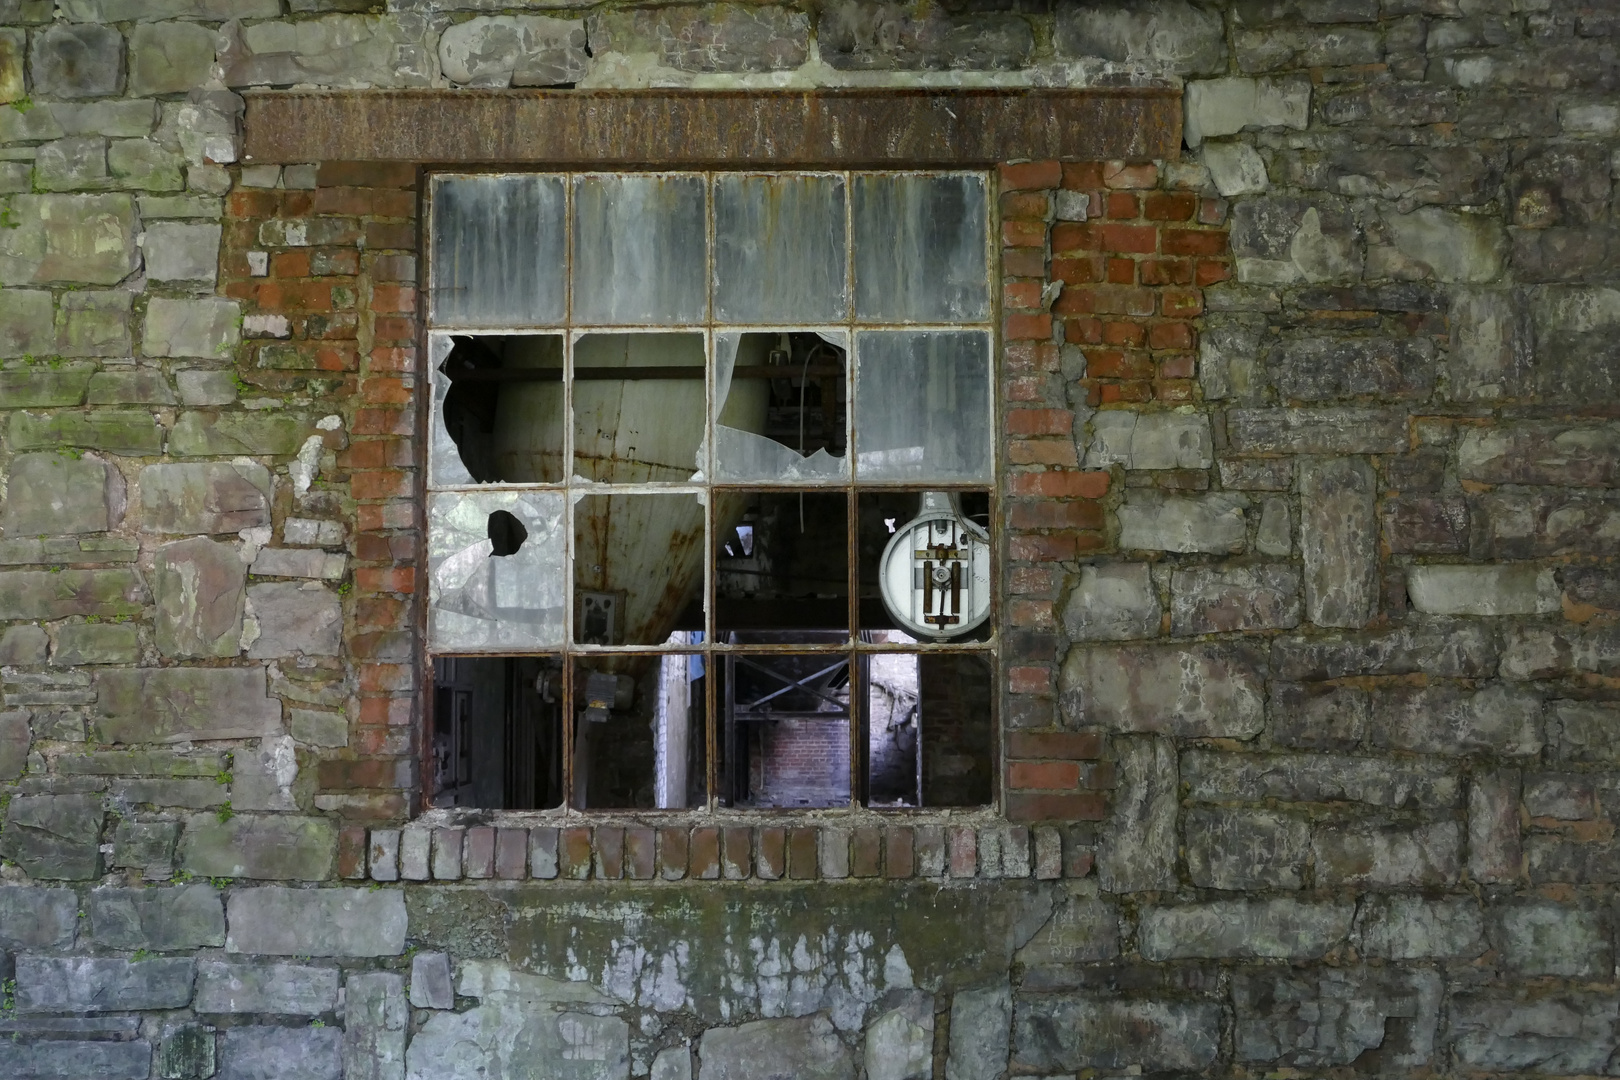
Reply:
x=712, y=651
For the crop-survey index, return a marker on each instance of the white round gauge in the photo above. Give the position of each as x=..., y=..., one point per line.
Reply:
x=935, y=571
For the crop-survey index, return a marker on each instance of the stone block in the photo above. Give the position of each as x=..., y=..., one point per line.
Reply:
x=44, y=388
x=1519, y=523
x=178, y=251
x=1229, y=362
x=355, y=51
x=1068, y=1033
x=293, y=619
x=280, y=1053
x=1327, y=369
x=145, y=846
x=250, y=433
x=68, y=1059
x=1213, y=522
x=316, y=728
x=1236, y=168
x=263, y=777
x=312, y=532
x=414, y=848
x=1394, y=926
x=55, y=494
x=1170, y=36
x=13, y=48
x=32, y=917
x=1576, y=353
x=981, y=1021
x=1316, y=431
x=187, y=794
x=1275, y=535
x=431, y=987
x=1221, y=776
x=77, y=61
x=186, y=1052
x=1426, y=525
x=1499, y=589
x=1554, y=453
x=1339, y=540
x=198, y=388
x=54, y=837
x=199, y=586
x=1149, y=441
x=1582, y=731
x=279, y=989
x=1283, y=240
x=76, y=163
x=508, y=50
x=148, y=705
x=1082, y=929
x=276, y=848
x=162, y=920
x=1212, y=600
x=299, y=563
x=806, y=1048
x=1138, y=845
x=375, y=1016
x=1112, y=602
x=127, y=432
x=24, y=646
x=26, y=326
x=1442, y=245
x=1442, y=648
x=1564, y=1033
x=1244, y=929
x=1442, y=718
x=1218, y=107
x=211, y=497
x=1190, y=691
x=114, y=119
x=91, y=643
x=209, y=327
x=15, y=739
x=672, y=1063
x=1491, y=346
x=169, y=57
x=1544, y=937
x=516, y=1034
x=84, y=984
x=316, y=922
x=1332, y=1018
x=1245, y=849
x=1374, y=856
x=69, y=239
x=142, y=385
x=864, y=35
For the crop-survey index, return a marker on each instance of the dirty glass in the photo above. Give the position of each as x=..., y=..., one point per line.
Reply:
x=638, y=566
x=638, y=407
x=779, y=253
x=920, y=248
x=497, y=251
x=640, y=732
x=497, y=409
x=782, y=562
x=922, y=405
x=784, y=728
x=495, y=570
x=781, y=406
x=639, y=250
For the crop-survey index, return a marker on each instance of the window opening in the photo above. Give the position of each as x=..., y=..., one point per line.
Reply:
x=678, y=420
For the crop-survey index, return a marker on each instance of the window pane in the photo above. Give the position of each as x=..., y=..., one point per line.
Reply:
x=781, y=406
x=639, y=250
x=928, y=728
x=782, y=563
x=922, y=405
x=497, y=251
x=640, y=732
x=938, y=572
x=495, y=570
x=497, y=732
x=784, y=730
x=779, y=249
x=644, y=428
x=920, y=249
x=497, y=409
x=638, y=565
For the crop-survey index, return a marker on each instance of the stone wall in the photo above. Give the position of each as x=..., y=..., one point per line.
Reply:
x=1310, y=721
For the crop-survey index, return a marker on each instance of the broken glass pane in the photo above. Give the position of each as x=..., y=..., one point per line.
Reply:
x=639, y=249
x=638, y=566
x=497, y=409
x=920, y=248
x=922, y=405
x=783, y=563
x=497, y=251
x=641, y=731
x=479, y=600
x=638, y=407
x=779, y=249
x=781, y=412
x=955, y=728
x=783, y=729
x=893, y=694
x=497, y=732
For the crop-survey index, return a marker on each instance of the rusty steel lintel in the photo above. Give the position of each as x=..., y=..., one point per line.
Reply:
x=715, y=128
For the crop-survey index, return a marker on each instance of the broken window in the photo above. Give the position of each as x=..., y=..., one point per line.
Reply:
x=710, y=468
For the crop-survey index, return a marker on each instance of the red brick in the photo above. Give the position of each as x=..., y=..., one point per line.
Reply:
x=511, y=854
x=1085, y=542
x=375, y=454
x=899, y=852
x=1212, y=211
x=397, y=329
x=1029, y=679
x=1081, y=806
x=1166, y=271
x=771, y=852
x=1175, y=392
x=1027, y=327
x=574, y=853
x=608, y=844
x=1021, y=233
x=1122, y=271
x=705, y=853
x=351, y=853
x=1031, y=614
x=736, y=855
x=1074, y=236
x=1194, y=242
x=253, y=203
x=1123, y=300
x=1031, y=174
x=1128, y=239
x=1023, y=262
x=1055, y=514
x=1026, y=204
x=342, y=775
x=289, y=264
x=1123, y=333
x=1067, y=745
x=1182, y=303
x=1117, y=364
x=1082, y=271
x=866, y=852
x=478, y=852
x=1030, y=356
x=396, y=711
x=365, y=202
x=1025, y=388
x=804, y=857
x=1042, y=452
x=383, y=579
x=962, y=842
x=393, y=298
x=284, y=296
x=341, y=262
x=640, y=849
x=1024, y=295
x=382, y=422
x=1039, y=421
x=1121, y=205
x=1211, y=271
x=1043, y=775
x=382, y=484
x=1180, y=366
x=672, y=852
x=1171, y=335
x=1040, y=548
x=1170, y=206
x=1082, y=175
x=1121, y=174
x=1079, y=300
x=401, y=236
x=379, y=390
x=386, y=678
x=394, y=358
x=366, y=174
x=1082, y=331
x=1034, y=581
x=1125, y=392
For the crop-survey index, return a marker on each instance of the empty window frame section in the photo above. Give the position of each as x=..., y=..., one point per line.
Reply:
x=710, y=471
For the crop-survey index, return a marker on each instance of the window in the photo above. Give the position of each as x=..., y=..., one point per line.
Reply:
x=710, y=490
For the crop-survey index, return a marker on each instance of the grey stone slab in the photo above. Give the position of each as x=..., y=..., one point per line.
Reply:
x=318, y=728
x=1149, y=441
x=1210, y=600
x=981, y=1022
x=1250, y=929
x=277, y=989
x=1403, y=927
x=15, y=740
x=299, y=563
x=200, y=589
x=54, y=493
x=69, y=239
x=1317, y=369
x=1546, y=937
x=1063, y=1032
x=1213, y=522
x=77, y=61
x=1226, y=106
x=1387, y=856
x=1440, y=648
x=280, y=1053
x=1171, y=35
x=521, y=50
x=54, y=837
x=65, y=1059
x=674, y=1063
x=26, y=645
x=27, y=326
x=1563, y=1033
x=251, y=433
x=199, y=387
x=1332, y=1018
x=317, y=922
x=1439, y=244
x=141, y=386
x=1112, y=602
x=861, y=35
x=262, y=778
x=375, y=1016
x=1585, y=731
x=44, y=387
x=1217, y=776
x=127, y=432
x=162, y=920
x=1499, y=589
x=1082, y=929
x=1442, y=718
x=1570, y=454
x=1238, y=850
x=1138, y=845
x=180, y=251
x=293, y=619
x=186, y=794
x=110, y=11
x=169, y=57
x=1197, y=691
x=209, y=327
x=93, y=984
x=117, y=119
x=148, y=705
x=279, y=848
x=211, y=497
x=431, y=987
x=1316, y=431
x=146, y=846
x=1339, y=541
x=37, y=918
x=806, y=1048
x=186, y=1052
